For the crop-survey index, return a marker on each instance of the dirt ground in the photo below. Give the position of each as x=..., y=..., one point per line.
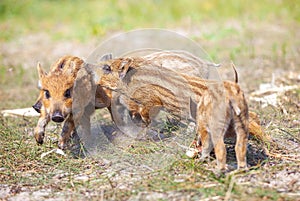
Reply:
x=267, y=58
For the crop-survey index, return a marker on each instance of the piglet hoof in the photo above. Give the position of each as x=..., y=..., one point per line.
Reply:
x=203, y=159
x=39, y=137
x=62, y=145
x=243, y=168
x=220, y=172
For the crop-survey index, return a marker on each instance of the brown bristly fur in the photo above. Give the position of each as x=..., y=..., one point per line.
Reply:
x=55, y=99
x=62, y=77
x=221, y=106
x=120, y=65
x=119, y=68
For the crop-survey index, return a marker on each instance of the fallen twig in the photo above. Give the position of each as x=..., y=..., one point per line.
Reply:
x=230, y=187
x=58, y=151
x=276, y=155
x=274, y=89
x=211, y=198
x=286, y=132
x=25, y=112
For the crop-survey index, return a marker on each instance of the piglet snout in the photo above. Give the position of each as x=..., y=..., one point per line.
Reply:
x=57, y=117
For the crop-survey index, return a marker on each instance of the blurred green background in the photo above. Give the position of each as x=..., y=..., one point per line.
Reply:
x=81, y=20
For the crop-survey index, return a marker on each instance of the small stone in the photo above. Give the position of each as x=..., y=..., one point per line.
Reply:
x=191, y=152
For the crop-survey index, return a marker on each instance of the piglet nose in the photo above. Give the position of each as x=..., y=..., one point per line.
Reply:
x=37, y=106
x=57, y=117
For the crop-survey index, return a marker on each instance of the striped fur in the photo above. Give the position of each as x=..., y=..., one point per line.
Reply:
x=183, y=62
x=62, y=77
x=220, y=105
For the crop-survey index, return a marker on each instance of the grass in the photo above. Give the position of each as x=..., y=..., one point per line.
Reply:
x=153, y=169
x=22, y=167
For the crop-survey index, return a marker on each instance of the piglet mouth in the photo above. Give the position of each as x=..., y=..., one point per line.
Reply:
x=57, y=117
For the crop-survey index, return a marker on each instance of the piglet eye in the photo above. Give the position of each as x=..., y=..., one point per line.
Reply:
x=68, y=93
x=106, y=68
x=47, y=94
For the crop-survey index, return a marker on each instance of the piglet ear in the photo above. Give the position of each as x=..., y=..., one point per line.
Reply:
x=125, y=71
x=125, y=67
x=41, y=72
x=106, y=57
x=72, y=66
